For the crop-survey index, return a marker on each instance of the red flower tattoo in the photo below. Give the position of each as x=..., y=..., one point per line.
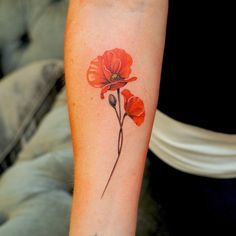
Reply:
x=134, y=107
x=111, y=71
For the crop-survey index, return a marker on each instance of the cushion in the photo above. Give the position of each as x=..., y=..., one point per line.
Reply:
x=35, y=196
x=52, y=134
x=25, y=96
x=35, y=193
x=31, y=30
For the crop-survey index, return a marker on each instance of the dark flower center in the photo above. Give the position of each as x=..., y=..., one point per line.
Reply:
x=115, y=77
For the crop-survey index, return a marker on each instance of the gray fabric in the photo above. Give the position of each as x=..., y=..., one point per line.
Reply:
x=47, y=214
x=22, y=94
x=30, y=30
x=35, y=193
x=52, y=134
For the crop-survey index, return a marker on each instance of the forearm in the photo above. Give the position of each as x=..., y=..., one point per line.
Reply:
x=110, y=151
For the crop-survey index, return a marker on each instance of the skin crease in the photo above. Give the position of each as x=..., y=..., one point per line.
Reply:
x=93, y=27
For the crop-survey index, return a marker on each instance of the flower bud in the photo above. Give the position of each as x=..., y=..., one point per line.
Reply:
x=112, y=100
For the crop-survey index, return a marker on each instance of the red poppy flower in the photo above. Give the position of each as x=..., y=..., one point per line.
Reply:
x=110, y=71
x=134, y=107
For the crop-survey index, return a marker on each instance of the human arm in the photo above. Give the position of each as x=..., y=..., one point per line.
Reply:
x=102, y=160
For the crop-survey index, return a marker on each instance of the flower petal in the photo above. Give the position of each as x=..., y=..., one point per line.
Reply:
x=139, y=119
x=126, y=65
x=130, y=79
x=117, y=84
x=106, y=72
x=104, y=90
x=127, y=94
x=111, y=61
x=118, y=61
x=112, y=86
x=134, y=107
x=95, y=75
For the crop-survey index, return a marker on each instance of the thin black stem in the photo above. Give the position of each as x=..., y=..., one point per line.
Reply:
x=120, y=140
x=117, y=115
x=120, y=144
x=121, y=134
x=118, y=96
x=108, y=181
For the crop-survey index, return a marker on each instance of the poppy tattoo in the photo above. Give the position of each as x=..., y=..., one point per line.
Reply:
x=110, y=72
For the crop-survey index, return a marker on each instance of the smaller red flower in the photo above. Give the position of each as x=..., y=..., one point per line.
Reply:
x=134, y=107
x=110, y=71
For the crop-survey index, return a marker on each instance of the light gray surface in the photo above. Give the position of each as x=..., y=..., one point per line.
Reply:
x=35, y=194
x=42, y=21
x=21, y=95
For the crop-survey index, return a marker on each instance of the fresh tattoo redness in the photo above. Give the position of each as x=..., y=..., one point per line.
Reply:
x=110, y=72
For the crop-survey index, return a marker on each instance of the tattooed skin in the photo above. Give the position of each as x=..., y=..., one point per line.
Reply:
x=111, y=72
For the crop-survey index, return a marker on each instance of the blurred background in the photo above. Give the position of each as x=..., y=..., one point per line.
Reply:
x=36, y=164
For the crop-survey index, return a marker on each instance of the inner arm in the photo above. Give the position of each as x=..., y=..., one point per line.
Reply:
x=113, y=58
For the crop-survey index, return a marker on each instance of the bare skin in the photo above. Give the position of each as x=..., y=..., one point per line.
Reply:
x=94, y=27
